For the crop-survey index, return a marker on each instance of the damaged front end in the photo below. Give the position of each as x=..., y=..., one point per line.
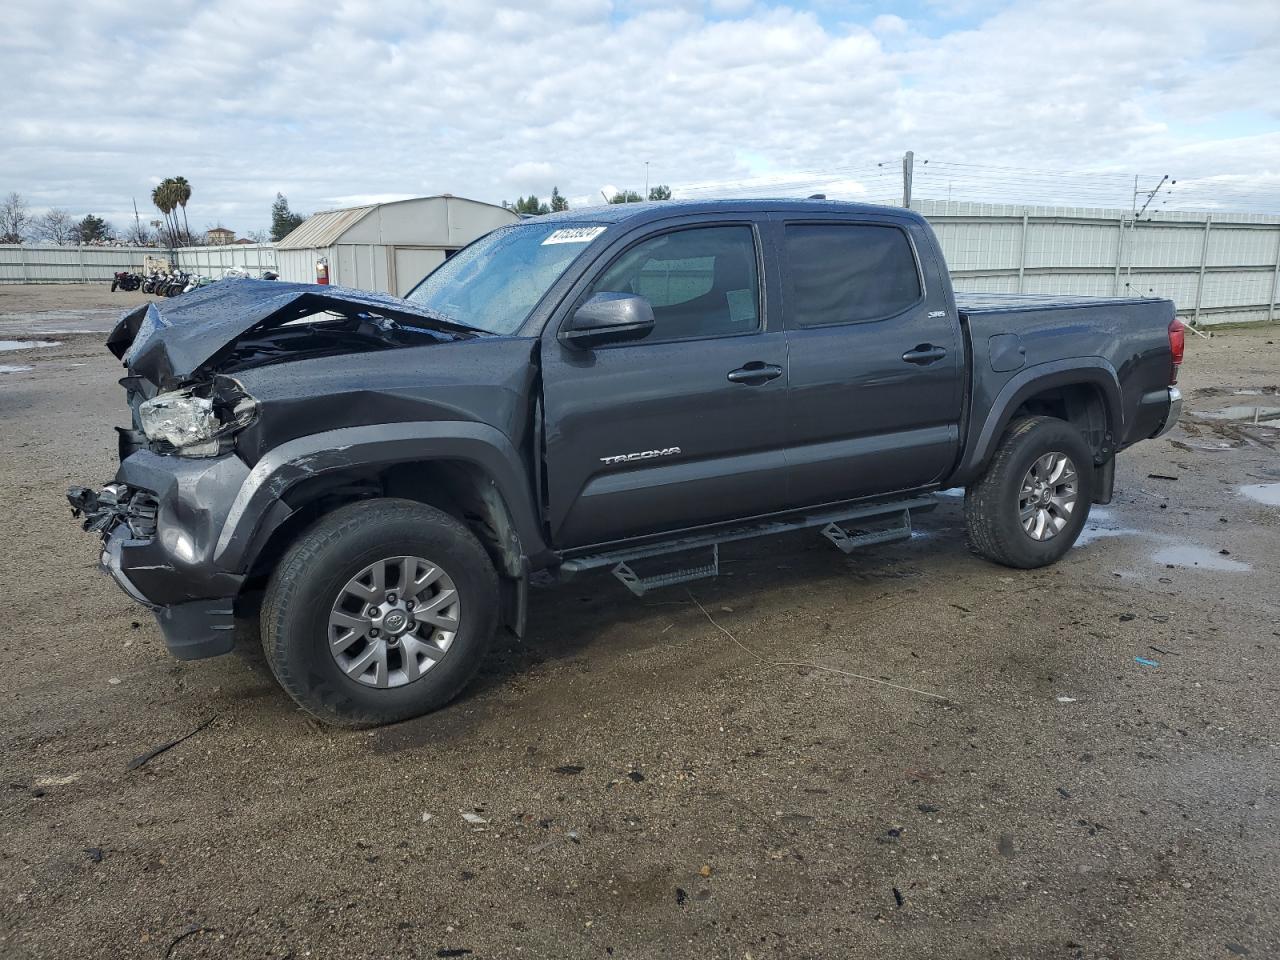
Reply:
x=116, y=503
x=196, y=432
x=181, y=355
x=197, y=421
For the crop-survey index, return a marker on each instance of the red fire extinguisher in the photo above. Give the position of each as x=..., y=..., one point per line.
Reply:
x=322, y=271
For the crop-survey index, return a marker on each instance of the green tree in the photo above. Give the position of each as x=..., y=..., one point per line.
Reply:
x=283, y=220
x=626, y=196
x=93, y=230
x=181, y=194
x=164, y=196
x=558, y=202
x=660, y=192
x=530, y=205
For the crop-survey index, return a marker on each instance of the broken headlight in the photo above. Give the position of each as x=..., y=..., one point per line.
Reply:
x=197, y=421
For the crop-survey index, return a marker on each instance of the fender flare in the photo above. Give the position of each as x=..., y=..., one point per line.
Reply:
x=258, y=508
x=1092, y=371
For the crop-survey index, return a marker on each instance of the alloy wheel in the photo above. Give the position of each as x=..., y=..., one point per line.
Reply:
x=394, y=621
x=1048, y=496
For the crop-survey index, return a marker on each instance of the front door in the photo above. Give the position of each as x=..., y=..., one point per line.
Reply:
x=685, y=426
x=876, y=360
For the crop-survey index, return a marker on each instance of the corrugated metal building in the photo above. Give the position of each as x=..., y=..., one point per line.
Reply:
x=387, y=247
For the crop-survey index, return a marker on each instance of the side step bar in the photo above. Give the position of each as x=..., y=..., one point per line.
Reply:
x=832, y=523
x=639, y=585
x=848, y=541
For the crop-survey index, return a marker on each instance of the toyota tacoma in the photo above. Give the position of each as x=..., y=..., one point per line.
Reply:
x=376, y=481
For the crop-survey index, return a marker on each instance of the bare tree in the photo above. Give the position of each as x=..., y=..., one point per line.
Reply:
x=15, y=219
x=140, y=235
x=56, y=226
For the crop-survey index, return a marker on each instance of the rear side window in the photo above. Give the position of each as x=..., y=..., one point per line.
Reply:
x=847, y=272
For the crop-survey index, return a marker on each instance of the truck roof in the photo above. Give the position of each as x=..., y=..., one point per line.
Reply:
x=661, y=209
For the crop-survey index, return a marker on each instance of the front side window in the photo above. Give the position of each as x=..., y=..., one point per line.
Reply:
x=494, y=283
x=848, y=272
x=701, y=282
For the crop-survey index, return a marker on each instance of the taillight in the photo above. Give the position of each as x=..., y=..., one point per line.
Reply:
x=1177, y=343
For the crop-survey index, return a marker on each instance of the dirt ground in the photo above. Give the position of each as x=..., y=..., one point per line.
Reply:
x=1089, y=770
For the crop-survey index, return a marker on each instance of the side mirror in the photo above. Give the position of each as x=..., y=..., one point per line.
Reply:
x=608, y=318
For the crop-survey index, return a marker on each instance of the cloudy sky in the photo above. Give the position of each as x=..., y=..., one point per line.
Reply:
x=341, y=102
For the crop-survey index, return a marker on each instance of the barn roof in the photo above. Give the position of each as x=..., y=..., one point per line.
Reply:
x=327, y=227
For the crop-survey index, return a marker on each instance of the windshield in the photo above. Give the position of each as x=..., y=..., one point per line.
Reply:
x=494, y=283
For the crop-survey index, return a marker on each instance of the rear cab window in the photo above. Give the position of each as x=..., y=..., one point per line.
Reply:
x=848, y=273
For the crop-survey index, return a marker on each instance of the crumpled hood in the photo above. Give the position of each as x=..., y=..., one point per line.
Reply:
x=167, y=341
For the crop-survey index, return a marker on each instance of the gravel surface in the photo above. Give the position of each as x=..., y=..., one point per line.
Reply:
x=1094, y=775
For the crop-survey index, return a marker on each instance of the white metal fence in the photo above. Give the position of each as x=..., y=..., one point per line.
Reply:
x=214, y=261
x=1218, y=268
x=51, y=264
x=20, y=263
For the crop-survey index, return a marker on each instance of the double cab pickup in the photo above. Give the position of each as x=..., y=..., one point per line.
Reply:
x=375, y=481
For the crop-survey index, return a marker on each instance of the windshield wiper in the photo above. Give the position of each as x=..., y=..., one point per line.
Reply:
x=445, y=324
x=435, y=316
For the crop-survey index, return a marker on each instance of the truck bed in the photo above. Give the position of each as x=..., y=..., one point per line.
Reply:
x=970, y=304
x=1125, y=340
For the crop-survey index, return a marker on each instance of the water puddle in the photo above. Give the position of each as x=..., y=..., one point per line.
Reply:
x=1171, y=550
x=1268, y=493
x=1247, y=413
x=1098, y=531
x=6, y=345
x=1102, y=525
x=1198, y=558
x=8, y=368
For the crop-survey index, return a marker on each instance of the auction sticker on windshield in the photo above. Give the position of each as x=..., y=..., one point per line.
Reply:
x=574, y=235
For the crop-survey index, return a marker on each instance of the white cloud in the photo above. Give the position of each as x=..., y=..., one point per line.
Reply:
x=364, y=99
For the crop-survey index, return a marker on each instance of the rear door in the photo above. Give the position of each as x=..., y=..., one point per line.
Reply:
x=876, y=364
x=685, y=426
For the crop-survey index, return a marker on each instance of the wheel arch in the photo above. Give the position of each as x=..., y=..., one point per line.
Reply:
x=469, y=470
x=1084, y=392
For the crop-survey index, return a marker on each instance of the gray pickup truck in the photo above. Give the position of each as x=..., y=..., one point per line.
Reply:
x=377, y=480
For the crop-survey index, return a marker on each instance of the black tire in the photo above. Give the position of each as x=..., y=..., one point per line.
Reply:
x=311, y=576
x=991, y=505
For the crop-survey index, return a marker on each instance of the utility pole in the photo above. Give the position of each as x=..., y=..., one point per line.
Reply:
x=137, y=221
x=1150, y=194
x=646, y=179
x=908, y=169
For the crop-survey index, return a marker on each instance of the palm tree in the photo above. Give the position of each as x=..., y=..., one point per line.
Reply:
x=163, y=197
x=182, y=193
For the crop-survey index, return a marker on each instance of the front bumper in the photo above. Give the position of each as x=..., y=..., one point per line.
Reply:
x=1175, y=411
x=160, y=521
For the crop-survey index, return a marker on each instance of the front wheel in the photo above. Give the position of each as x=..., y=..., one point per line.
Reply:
x=381, y=611
x=1031, y=504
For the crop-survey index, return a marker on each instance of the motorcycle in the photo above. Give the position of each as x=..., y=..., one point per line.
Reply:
x=125, y=280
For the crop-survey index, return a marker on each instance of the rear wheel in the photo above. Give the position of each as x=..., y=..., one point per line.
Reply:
x=380, y=612
x=1031, y=504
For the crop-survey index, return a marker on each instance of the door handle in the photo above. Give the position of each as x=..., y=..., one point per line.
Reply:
x=924, y=354
x=755, y=373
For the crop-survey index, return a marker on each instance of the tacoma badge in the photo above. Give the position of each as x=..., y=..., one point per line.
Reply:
x=642, y=455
